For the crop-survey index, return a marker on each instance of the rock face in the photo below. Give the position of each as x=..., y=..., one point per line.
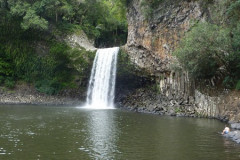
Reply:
x=151, y=42
x=81, y=39
x=150, y=45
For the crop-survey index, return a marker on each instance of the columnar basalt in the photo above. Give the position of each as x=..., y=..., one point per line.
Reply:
x=151, y=42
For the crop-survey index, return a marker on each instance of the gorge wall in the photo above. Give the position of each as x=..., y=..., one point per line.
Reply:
x=150, y=44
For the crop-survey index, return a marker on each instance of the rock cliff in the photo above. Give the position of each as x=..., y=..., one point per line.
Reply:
x=150, y=44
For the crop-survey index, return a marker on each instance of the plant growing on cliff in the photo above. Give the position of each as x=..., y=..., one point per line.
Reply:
x=238, y=85
x=204, y=50
x=148, y=7
x=209, y=50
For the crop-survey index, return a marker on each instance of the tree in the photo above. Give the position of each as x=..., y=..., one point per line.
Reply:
x=29, y=15
x=204, y=50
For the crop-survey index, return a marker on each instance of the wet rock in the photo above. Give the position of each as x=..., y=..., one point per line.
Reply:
x=235, y=126
x=234, y=135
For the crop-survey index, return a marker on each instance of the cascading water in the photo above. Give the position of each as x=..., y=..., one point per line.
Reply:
x=101, y=87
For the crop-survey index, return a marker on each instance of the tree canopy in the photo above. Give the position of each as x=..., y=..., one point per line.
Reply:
x=26, y=24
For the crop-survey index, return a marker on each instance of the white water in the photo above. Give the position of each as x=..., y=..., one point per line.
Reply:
x=101, y=87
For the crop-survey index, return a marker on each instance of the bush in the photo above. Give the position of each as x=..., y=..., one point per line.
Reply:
x=9, y=83
x=229, y=82
x=238, y=85
x=204, y=49
x=49, y=87
x=1, y=80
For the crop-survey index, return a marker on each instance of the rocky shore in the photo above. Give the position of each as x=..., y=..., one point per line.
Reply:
x=144, y=100
x=148, y=100
x=235, y=133
x=26, y=94
x=151, y=100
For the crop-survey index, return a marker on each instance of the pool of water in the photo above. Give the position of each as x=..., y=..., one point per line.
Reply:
x=61, y=133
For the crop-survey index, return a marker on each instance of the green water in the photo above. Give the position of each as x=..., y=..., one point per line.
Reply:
x=68, y=133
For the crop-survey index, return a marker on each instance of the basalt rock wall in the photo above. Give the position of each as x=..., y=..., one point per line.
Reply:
x=151, y=42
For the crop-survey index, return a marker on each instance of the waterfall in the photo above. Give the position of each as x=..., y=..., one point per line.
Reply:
x=101, y=87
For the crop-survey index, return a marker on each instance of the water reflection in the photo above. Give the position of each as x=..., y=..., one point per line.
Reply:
x=68, y=133
x=102, y=129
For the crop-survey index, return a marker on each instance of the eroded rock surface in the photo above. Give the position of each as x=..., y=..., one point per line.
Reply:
x=151, y=42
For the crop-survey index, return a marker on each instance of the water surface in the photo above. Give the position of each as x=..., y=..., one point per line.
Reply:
x=47, y=132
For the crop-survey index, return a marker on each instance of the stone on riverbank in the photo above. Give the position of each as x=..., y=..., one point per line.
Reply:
x=235, y=126
x=27, y=94
x=234, y=135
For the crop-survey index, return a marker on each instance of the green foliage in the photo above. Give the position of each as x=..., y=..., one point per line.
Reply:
x=30, y=18
x=5, y=68
x=99, y=19
x=236, y=37
x=209, y=49
x=204, y=49
x=234, y=10
x=238, y=85
x=49, y=87
x=25, y=24
x=148, y=7
x=111, y=29
x=2, y=78
x=228, y=82
x=178, y=110
x=19, y=61
x=91, y=31
x=156, y=88
x=9, y=83
x=125, y=66
x=80, y=60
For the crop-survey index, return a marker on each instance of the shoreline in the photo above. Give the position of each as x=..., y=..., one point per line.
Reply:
x=27, y=95
x=233, y=135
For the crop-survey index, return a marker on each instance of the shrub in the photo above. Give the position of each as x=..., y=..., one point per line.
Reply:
x=203, y=50
x=238, y=85
x=9, y=83
x=1, y=79
x=228, y=82
x=49, y=87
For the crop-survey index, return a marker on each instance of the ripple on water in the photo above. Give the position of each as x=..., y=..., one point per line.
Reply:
x=83, y=149
x=110, y=134
x=4, y=152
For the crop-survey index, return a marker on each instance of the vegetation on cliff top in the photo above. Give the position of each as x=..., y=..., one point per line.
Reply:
x=31, y=45
x=211, y=50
